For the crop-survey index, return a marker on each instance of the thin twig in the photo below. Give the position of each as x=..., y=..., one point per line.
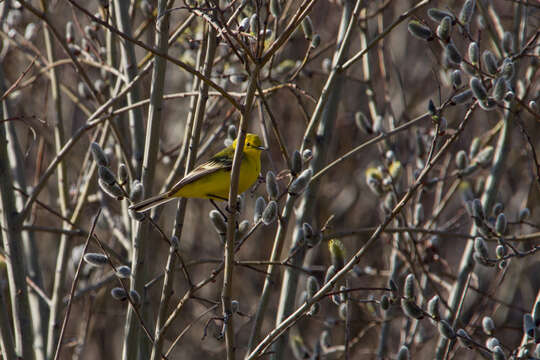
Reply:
x=18, y=81
x=74, y=285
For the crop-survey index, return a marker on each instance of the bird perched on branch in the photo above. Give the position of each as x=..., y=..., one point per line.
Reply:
x=212, y=179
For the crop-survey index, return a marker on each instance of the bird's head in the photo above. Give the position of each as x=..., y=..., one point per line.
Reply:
x=252, y=143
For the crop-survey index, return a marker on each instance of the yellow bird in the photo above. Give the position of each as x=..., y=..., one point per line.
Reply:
x=212, y=179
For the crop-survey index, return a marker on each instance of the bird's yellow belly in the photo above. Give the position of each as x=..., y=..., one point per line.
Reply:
x=216, y=185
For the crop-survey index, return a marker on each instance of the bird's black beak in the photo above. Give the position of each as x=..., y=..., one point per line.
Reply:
x=260, y=148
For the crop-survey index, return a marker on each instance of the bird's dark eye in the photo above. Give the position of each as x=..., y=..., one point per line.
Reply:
x=248, y=144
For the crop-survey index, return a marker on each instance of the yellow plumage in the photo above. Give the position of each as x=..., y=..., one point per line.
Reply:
x=212, y=179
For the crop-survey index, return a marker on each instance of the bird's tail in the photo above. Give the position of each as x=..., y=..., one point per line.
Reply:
x=152, y=202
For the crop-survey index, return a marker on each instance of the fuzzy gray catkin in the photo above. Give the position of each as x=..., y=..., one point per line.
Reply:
x=113, y=190
x=99, y=156
x=524, y=214
x=343, y=311
x=433, y=308
x=106, y=175
x=492, y=342
x=272, y=187
x=316, y=41
x=308, y=230
x=30, y=31
x=439, y=14
x=464, y=338
x=70, y=31
x=100, y=86
x=122, y=173
x=411, y=309
x=254, y=23
x=232, y=132
x=90, y=32
x=296, y=163
x=307, y=27
x=446, y=330
x=82, y=88
x=269, y=214
x=461, y=160
x=455, y=77
x=484, y=156
x=500, y=251
x=330, y=272
x=501, y=224
x=478, y=88
x=444, y=29
x=312, y=286
x=467, y=68
x=95, y=259
x=480, y=247
x=475, y=147
x=467, y=11
x=243, y=228
x=260, y=205
x=534, y=106
x=311, y=237
x=490, y=61
x=419, y=30
x=403, y=353
x=509, y=96
x=119, y=293
x=453, y=53
x=508, y=43
x=307, y=154
x=275, y=8
x=123, y=271
x=135, y=297
x=488, y=325
x=418, y=216
x=363, y=123
x=235, y=306
x=218, y=222
x=243, y=26
x=299, y=184
x=508, y=69
x=474, y=53
x=409, y=287
x=498, y=353
x=324, y=339
x=462, y=97
x=499, y=89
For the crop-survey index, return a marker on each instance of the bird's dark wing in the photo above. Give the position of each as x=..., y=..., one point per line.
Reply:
x=220, y=161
